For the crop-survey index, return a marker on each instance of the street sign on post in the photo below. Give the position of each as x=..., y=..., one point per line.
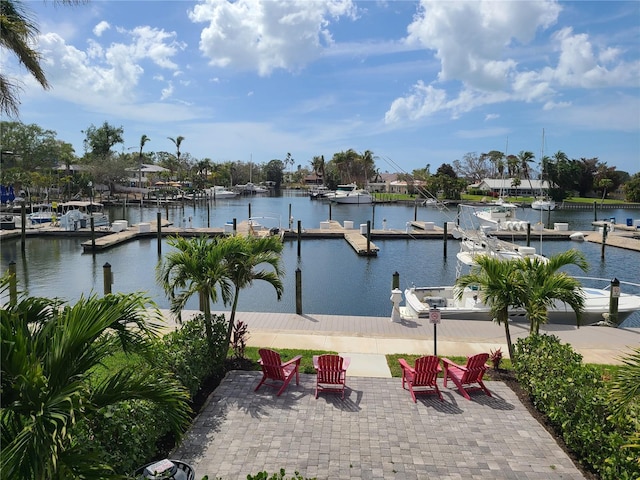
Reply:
x=435, y=317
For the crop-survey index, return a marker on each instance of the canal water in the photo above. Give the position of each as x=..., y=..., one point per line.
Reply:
x=334, y=279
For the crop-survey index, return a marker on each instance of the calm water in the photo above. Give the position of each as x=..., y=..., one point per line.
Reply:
x=334, y=279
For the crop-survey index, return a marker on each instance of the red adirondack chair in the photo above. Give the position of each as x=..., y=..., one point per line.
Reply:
x=331, y=373
x=423, y=377
x=468, y=375
x=275, y=373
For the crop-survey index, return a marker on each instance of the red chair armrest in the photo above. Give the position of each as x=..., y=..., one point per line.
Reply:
x=405, y=366
x=448, y=363
x=293, y=360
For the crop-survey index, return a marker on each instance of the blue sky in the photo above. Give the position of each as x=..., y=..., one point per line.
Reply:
x=417, y=83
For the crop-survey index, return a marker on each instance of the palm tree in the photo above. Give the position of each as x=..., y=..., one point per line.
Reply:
x=17, y=33
x=498, y=283
x=49, y=353
x=202, y=266
x=525, y=158
x=196, y=266
x=544, y=285
x=143, y=140
x=243, y=256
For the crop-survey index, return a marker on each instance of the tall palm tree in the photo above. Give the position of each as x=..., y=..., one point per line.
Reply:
x=177, y=142
x=544, y=284
x=143, y=140
x=49, y=352
x=243, y=256
x=525, y=158
x=197, y=266
x=499, y=285
x=200, y=265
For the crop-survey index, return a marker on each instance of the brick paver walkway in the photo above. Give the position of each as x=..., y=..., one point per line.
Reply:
x=377, y=432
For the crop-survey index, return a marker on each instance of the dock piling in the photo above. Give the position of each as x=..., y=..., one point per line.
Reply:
x=107, y=278
x=159, y=230
x=298, y=291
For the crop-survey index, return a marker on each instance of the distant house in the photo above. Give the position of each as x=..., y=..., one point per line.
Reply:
x=313, y=179
x=146, y=175
x=505, y=187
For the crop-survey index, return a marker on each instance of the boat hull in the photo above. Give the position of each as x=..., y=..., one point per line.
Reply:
x=420, y=300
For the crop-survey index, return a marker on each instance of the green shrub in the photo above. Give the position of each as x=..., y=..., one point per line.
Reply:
x=575, y=399
x=185, y=352
x=125, y=435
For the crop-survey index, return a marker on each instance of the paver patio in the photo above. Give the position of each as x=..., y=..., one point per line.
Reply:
x=377, y=432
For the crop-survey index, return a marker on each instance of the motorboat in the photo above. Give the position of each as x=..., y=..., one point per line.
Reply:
x=471, y=304
x=481, y=244
x=41, y=213
x=219, y=192
x=358, y=196
x=577, y=237
x=82, y=212
x=544, y=204
x=251, y=189
x=419, y=301
x=499, y=216
x=341, y=190
x=318, y=191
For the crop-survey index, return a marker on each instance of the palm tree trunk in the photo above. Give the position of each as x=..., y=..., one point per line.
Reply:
x=232, y=319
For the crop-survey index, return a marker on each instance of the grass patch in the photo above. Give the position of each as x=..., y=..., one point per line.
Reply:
x=396, y=370
x=306, y=364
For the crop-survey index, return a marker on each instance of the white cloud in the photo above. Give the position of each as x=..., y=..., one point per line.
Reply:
x=491, y=116
x=478, y=44
x=554, y=105
x=167, y=91
x=579, y=65
x=264, y=35
x=113, y=72
x=471, y=38
x=100, y=28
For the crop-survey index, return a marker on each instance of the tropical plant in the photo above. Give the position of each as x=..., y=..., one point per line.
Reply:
x=625, y=393
x=498, y=282
x=197, y=266
x=18, y=33
x=201, y=265
x=49, y=353
x=545, y=284
x=243, y=256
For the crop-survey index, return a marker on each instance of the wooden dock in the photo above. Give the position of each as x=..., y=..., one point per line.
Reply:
x=360, y=244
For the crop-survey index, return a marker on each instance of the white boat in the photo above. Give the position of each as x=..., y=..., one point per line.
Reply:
x=41, y=214
x=544, y=204
x=219, y=192
x=499, y=216
x=341, y=190
x=318, y=191
x=577, y=237
x=350, y=193
x=251, y=188
x=420, y=300
x=472, y=247
x=82, y=212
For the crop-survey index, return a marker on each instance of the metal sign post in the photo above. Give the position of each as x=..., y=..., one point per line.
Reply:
x=435, y=317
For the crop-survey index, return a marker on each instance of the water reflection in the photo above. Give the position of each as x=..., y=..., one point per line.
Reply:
x=334, y=279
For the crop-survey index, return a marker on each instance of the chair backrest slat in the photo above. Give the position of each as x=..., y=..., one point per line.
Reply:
x=426, y=370
x=330, y=369
x=271, y=364
x=476, y=366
